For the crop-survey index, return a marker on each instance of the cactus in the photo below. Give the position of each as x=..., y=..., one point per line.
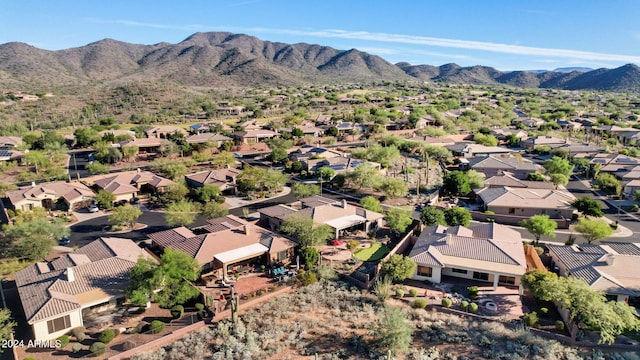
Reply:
x=235, y=299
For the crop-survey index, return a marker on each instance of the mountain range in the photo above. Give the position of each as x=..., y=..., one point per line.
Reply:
x=220, y=59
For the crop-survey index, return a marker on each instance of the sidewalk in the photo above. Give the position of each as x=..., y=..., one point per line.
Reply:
x=235, y=202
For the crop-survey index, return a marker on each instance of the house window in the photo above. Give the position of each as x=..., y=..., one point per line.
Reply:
x=512, y=210
x=459, y=271
x=480, y=276
x=282, y=255
x=511, y=280
x=58, y=324
x=425, y=271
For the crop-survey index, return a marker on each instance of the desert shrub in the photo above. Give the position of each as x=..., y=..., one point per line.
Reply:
x=413, y=292
x=97, y=348
x=382, y=288
x=129, y=344
x=308, y=278
x=199, y=306
x=107, y=335
x=559, y=325
x=64, y=340
x=76, y=348
x=473, y=291
x=142, y=326
x=544, y=311
x=539, y=250
x=473, y=308
x=464, y=305
x=260, y=292
x=156, y=326
x=78, y=333
x=177, y=311
x=531, y=319
x=489, y=212
x=420, y=303
x=399, y=292
x=446, y=302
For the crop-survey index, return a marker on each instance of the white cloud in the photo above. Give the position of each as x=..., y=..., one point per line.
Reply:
x=457, y=44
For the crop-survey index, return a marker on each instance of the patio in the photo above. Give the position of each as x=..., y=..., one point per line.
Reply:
x=507, y=300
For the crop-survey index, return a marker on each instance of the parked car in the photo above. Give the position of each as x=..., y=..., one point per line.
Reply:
x=92, y=208
x=122, y=202
x=64, y=241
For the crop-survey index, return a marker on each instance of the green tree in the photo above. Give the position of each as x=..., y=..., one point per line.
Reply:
x=392, y=331
x=213, y=210
x=31, y=239
x=585, y=305
x=105, y=198
x=301, y=190
x=85, y=137
x=457, y=216
x=539, y=225
x=208, y=192
x=456, y=183
x=393, y=187
x=140, y=289
x=476, y=179
x=309, y=256
x=98, y=168
x=174, y=192
x=126, y=215
x=486, y=140
x=399, y=268
x=38, y=159
x=305, y=231
x=609, y=183
x=398, y=219
x=558, y=165
x=6, y=325
x=325, y=173
x=588, y=206
x=371, y=203
x=174, y=278
x=559, y=179
x=225, y=160
x=364, y=176
x=278, y=155
x=431, y=216
x=593, y=230
x=181, y=213
x=130, y=152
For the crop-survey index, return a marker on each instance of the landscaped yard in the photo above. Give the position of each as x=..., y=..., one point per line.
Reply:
x=374, y=252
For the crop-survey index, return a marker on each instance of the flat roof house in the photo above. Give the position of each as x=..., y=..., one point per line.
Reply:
x=487, y=252
x=57, y=296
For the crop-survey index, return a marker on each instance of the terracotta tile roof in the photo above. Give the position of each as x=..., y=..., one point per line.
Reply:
x=104, y=264
x=611, y=267
x=504, y=163
x=214, y=177
x=526, y=198
x=507, y=179
x=490, y=247
x=204, y=137
x=128, y=181
x=228, y=233
x=69, y=191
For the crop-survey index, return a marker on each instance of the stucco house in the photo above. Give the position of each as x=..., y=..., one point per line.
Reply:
x=227, y=245
x=486, y=252
x=498, y=165
x=526, y=202
x=59, y=195
x=469, y=150
x=225, y=179
x=339, y=215
x=127, y=185
x=216, y=139
x=613, y=268
x=164, y=131
x=253, y=136
x=57, y=296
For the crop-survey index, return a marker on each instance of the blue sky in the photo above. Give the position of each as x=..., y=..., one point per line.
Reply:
x=505, y=34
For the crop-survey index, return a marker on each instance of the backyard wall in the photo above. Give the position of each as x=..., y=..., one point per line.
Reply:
x=512, y=219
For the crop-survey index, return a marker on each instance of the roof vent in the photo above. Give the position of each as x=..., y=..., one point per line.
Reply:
x=70, y=277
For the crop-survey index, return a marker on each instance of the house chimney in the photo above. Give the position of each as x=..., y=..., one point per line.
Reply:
x=247, y=230
x=69, y=274
x=609, y=259
x=33, y=184
x=448, y=239
x=344, y=203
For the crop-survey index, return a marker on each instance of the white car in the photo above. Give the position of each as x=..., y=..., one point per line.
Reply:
x=92, y=208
